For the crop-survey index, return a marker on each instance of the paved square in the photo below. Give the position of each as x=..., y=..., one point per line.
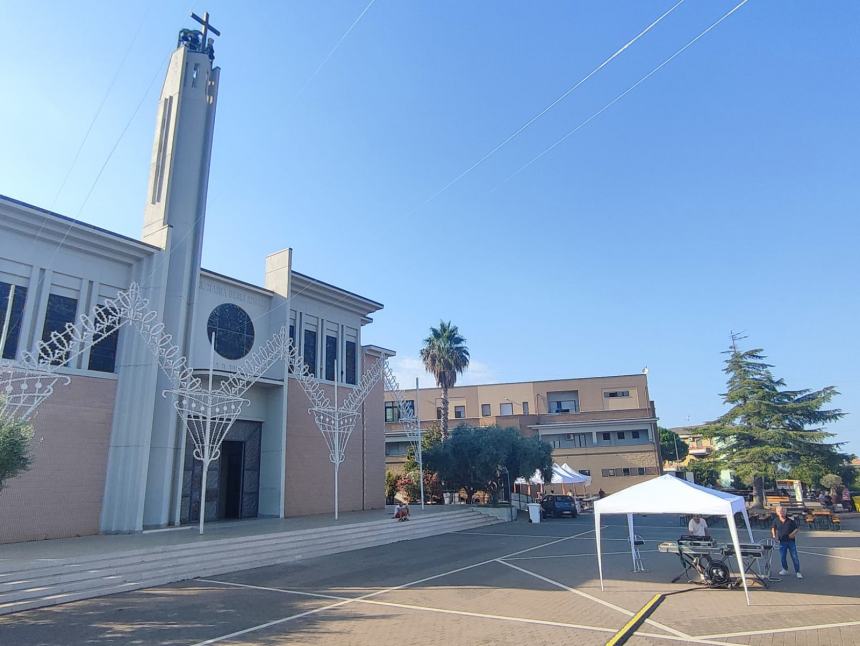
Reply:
x=510, y=583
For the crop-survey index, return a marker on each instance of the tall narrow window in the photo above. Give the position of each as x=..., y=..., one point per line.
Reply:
x=330, y=356
x=459, y=412
x=485, y=410
x=103, y=352
x=61, y=310
x=525, y=408
x=350, y=362
x=16, y=313
x=310, y=351
x=292, y=342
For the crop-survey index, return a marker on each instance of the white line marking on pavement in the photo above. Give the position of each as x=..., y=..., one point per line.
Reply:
x=748, y=633
x=564, y=556
x=480, y=615
x=830, y=556
x=593, y=598
x=519, y=535
x=269, y=624
x=577, y=537
x=276, y=622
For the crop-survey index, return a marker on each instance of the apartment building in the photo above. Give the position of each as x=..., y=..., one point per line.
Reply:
x=602, y=426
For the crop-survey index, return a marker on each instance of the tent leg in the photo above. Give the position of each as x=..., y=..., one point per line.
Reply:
x=738, y=556
x=630, y=537
x=597, y=537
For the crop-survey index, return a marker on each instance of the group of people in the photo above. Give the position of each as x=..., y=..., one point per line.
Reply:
x=784, y=529
x=828, y=501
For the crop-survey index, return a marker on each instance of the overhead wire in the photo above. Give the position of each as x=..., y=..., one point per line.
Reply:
x=549, y=107
x=591, y=118
x=332, y=51
x=100, y=108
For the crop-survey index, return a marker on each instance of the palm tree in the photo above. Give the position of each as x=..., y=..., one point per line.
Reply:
x=445, y=356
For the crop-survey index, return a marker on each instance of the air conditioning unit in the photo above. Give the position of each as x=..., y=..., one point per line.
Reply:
x=570, y=436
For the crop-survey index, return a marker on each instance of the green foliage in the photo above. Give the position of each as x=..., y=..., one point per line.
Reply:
x=409, y=486
x=810, y=469
x=672, y=447
x=390, y=486
x=445, y=356
x=848, y=473
x=475, y=458
x=769, y=429
x=831, y=481
x=705, y=472
x=15, y=458
x=430, y=437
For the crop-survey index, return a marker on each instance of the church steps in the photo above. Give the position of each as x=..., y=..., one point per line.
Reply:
x=237, y=557
x=73, y=580
x=137, y=576
x=12, y=571
x=312, y=545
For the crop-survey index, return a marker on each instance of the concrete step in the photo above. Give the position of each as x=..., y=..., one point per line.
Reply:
x=76, y=579
x=71, y=569
x=12, y=571
x=235, y=556
x=173, y=572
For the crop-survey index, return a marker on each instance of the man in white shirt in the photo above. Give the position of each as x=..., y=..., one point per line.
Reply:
x=697, y=526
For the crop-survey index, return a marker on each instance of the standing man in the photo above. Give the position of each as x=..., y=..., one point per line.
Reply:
x=846, y=499
x=785, y=529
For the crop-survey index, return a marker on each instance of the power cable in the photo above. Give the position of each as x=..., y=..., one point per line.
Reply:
x=622, y=95
x=100, y=107
x=549, y=107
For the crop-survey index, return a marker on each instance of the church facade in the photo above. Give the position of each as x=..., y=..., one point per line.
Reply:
x=110, y=453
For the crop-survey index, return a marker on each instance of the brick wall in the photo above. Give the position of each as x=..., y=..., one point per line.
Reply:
x=61, y=495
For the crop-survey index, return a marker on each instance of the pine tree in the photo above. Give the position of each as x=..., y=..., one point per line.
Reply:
x=769, y=429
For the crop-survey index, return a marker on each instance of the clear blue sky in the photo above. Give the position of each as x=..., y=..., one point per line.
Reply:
x=721, y=194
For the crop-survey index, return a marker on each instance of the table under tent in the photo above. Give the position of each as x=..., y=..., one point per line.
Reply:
x=669, y=494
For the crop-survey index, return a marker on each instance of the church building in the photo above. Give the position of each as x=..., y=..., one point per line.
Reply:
x=110, y=453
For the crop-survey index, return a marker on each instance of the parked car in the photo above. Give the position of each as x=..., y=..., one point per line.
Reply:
x=555, y=506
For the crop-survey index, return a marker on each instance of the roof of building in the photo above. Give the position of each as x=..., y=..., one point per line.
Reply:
x=309, y=283
x=78, y=223
x=535, y=381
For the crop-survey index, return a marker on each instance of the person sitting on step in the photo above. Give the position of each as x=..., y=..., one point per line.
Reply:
x=402, y=511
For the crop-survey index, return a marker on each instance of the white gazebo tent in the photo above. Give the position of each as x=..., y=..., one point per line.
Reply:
x=579, y=477
x=671, y=495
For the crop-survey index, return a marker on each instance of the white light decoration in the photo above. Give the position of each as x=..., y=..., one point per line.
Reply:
x=335, y=422
x=208, y=415
x=408, y=418
x=27, y=382
x=24, y=387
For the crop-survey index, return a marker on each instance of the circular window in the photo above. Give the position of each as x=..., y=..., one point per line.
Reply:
x=233, y=330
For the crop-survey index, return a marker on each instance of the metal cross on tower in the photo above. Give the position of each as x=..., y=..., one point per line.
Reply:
x=206, y=26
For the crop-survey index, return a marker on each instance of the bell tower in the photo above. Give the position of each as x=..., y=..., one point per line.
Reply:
x=181, y=151
x=146, y=445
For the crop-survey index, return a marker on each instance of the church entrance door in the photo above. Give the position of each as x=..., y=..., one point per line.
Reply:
x=232, y=467
x=233, y=481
